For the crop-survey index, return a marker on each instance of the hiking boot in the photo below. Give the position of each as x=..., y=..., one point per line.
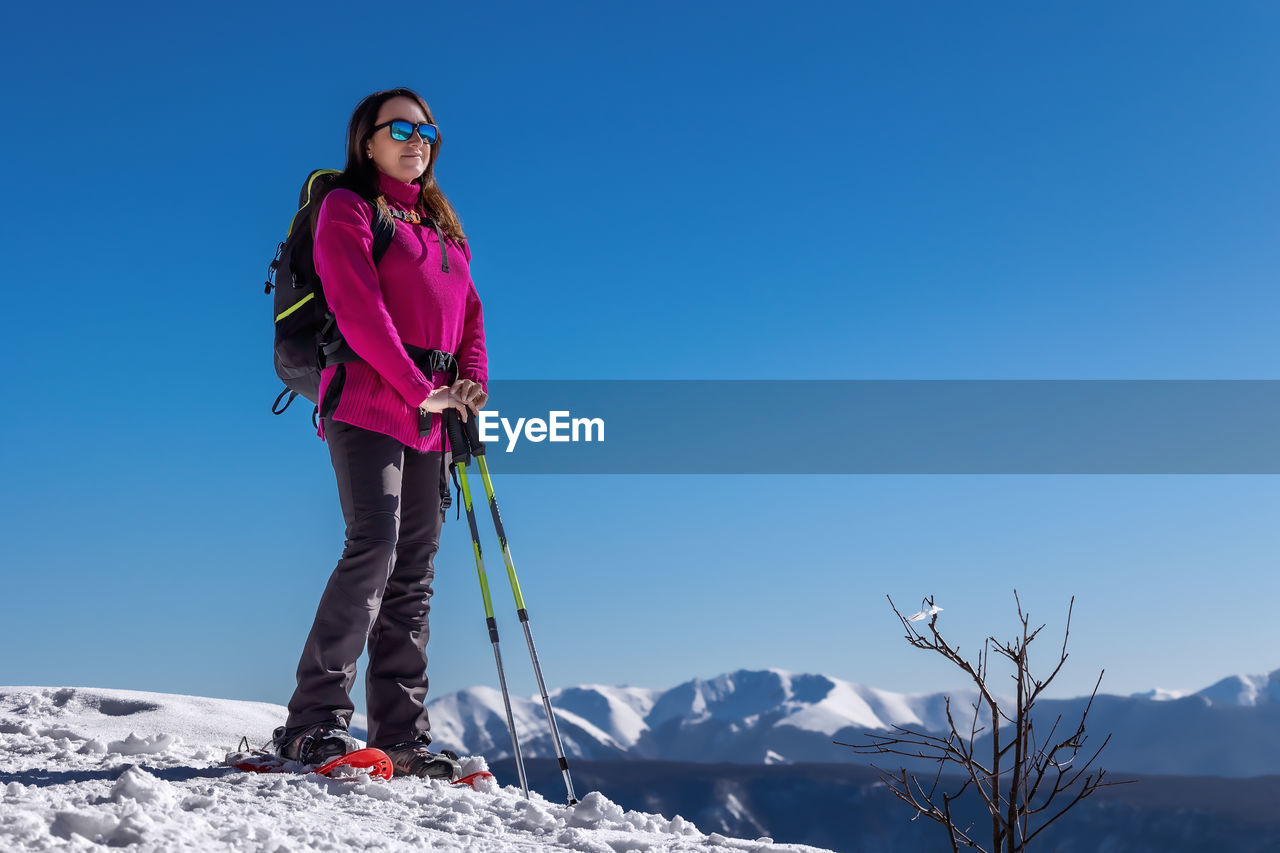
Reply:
x=413, y=758
x=317, y=743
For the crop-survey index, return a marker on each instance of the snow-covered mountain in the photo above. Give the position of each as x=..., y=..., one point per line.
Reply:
x=774, y=716
x=613, y=722
x=1244, y=690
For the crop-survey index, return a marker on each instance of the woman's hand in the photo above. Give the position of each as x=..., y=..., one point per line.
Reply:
x=461, y=395
x=443, y=398
x=471, y=393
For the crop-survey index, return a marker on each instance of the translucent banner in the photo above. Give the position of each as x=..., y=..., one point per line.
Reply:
x=883, y=427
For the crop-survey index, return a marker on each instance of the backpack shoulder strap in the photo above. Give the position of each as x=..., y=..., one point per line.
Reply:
x=384, y=228
x=312, y=193
x=336, y=350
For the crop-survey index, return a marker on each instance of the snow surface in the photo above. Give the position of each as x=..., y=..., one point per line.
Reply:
x=86, y=767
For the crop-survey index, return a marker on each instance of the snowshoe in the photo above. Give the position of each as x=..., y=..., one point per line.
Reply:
x=414, y=758
x=349, y=766
x=318, y=743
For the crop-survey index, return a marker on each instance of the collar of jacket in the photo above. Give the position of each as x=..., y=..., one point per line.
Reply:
x=405, y=195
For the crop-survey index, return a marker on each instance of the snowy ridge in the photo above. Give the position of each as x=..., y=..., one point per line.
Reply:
x=1246, y=690
x=476, y=721
x=774, y=716
x=609, y=722
x=618, y=711
x=1160, y=694
x=846, y=704
x=87, y=767
x=104, y=715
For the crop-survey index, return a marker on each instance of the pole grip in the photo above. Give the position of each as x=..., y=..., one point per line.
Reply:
x=464, y=438
x=472, y=430
x=459, y=447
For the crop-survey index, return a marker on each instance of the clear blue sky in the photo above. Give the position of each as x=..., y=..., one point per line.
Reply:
x=656, y=190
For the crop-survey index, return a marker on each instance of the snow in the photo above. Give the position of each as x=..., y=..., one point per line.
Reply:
x=90, y=766
x=1160, y=694
x=618, y=711
x=748, y=699
x=826, y=705
x=842, y=706
x=1244, y=690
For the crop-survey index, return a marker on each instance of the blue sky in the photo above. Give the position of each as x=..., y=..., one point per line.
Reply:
x=658, y=191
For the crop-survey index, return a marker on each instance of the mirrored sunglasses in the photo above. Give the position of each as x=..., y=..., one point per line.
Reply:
x=402, y=130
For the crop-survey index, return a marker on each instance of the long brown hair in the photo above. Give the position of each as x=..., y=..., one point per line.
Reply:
x=361, y=173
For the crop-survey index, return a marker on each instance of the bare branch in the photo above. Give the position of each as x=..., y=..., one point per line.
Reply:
x=1028, y=776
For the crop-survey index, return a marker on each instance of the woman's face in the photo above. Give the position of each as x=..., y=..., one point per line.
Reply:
x=404, y=161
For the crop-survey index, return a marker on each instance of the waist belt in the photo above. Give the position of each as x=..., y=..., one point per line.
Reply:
x=429, y=361
x=338, y=351
x=432, y=360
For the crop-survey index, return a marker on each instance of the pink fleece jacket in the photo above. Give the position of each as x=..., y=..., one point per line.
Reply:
x=407, y=297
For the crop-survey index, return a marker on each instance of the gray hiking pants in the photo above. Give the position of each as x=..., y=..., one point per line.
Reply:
x=380, y=591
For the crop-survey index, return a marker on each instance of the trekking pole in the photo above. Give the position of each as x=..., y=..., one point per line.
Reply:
x=460, y=459
x=468, y=435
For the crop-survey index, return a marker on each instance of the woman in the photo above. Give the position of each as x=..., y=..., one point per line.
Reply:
x=390, y=473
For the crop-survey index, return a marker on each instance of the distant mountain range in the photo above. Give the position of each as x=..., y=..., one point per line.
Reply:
x=1231, y=728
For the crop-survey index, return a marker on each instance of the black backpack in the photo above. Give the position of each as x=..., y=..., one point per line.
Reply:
x=307, y=337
